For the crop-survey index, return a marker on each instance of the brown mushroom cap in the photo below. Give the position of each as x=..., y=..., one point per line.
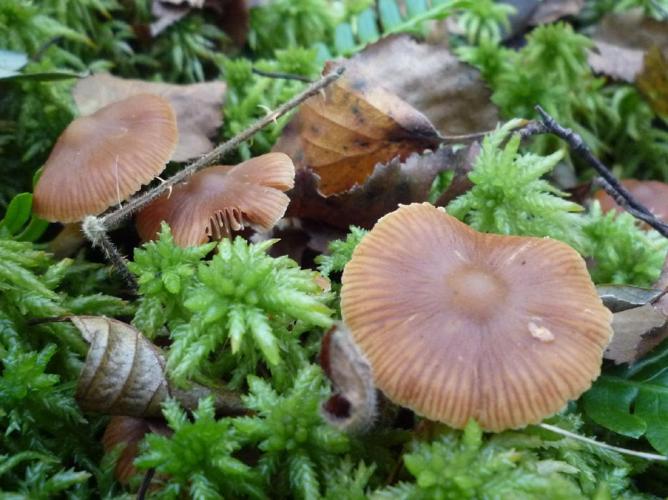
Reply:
x=217, y=200
x=652, y=194
x=101, y=159
x=459, y=324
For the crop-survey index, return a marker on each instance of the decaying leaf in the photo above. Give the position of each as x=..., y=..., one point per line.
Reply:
x=634, y=331
x=549, y=11
x=639, y=322
x=127, y=433
x=198, y=106
x=165, y=13
x=389, y=185
x=621, y=42
x=124, y=373
x=431, y=79
x=353, y=406
x=619, y=63
x=653, y=80
x=355, y=124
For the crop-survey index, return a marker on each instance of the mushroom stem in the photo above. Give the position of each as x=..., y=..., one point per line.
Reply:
x=96, y=233
x=112, y=219
x=593, y=442
x=607, y=180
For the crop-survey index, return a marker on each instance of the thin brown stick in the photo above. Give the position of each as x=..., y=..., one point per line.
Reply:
x=112, y=219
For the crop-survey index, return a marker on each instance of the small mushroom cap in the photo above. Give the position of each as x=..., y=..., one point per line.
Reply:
x=217, y=200
x=101, y=159
x=652, y=194
x=459, y=324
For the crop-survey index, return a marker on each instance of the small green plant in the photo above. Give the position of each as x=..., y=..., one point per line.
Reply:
x=509, y=195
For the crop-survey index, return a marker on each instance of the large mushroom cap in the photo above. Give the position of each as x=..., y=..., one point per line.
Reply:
x=217, y=200
x=101, y=159
x=459, y=324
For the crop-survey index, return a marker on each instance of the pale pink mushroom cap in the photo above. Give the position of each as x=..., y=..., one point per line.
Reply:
x=461, y=325
x=101, y=159
x=221, y=199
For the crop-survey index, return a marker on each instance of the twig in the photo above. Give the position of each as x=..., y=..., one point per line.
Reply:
x=607, y=180
x=145, y=483
x=282, y=76
x=112, y=219
x=593, y=442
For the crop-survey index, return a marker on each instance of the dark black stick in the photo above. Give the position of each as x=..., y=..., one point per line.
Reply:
x=607, y=180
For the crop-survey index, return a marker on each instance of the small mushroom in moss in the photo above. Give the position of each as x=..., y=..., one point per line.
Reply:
x=101, y=159
x=461, y=325
x=218, y=200
x=652, y=194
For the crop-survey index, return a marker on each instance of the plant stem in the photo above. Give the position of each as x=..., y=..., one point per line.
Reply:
x=281, y=76
x=593, y=442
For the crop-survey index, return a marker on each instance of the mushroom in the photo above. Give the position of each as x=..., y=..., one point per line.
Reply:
x=652, y=194
x=461, y=325
x=101, y=159
x=218, y=200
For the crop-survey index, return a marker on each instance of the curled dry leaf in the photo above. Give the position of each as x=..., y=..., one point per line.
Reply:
x=124, y=373
x=619, y=63
x=128, y=432
x=354, y=404
x=389, y=185
x=198, y=106
x=353, y=125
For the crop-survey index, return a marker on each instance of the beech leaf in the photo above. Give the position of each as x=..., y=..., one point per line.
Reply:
x=354, y=125
x=124, y=373
x=198, y=106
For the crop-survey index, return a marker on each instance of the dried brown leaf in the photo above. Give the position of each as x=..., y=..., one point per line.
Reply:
x=124, y=373
x=198, y=106
x=549, y=11
x=389, y=185
x=431, y=79
x=633, y=328
x=355, y=124
x=619, y=63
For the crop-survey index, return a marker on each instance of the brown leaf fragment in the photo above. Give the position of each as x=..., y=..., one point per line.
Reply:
x=549, y=11
x=389, y=185
x=124, y=373
x=354, y=404
x=198, y=106
x=127, y=433
x=616, y=62
x=351, y=127
x=635, y=333
x=430, y=78
x=633, y=30
x=653, y=80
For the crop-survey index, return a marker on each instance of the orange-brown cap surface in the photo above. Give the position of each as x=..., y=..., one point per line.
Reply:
x=652, y=194
x=459, y=324
x=220, y=199
x=101, y=159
